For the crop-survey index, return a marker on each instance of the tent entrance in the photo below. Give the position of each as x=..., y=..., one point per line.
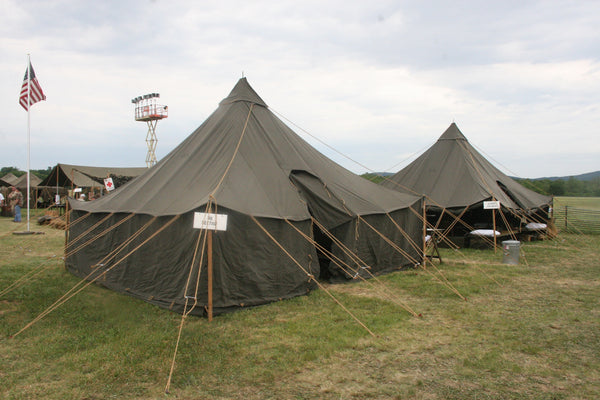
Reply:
x=325, y=208
x=323, y=242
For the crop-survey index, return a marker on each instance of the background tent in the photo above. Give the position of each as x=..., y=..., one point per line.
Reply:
x=21, y=182
x=67, y=176
x=249, y=165
x=457, y=178
x=8, y=180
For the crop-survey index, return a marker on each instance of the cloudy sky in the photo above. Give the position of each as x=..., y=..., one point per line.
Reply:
x=377, y=81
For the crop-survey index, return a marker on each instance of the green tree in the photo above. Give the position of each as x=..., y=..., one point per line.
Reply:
x=11, y=170
x=42, y=173
x=574, y=187
x=557, y=187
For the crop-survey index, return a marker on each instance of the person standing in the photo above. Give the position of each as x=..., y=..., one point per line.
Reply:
x=15, y=200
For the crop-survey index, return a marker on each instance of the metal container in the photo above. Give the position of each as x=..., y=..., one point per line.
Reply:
x=510, y=251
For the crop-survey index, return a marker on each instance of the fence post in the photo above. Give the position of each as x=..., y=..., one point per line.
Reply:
x=566, y=215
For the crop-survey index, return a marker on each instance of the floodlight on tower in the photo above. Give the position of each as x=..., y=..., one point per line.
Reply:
x=147, y=110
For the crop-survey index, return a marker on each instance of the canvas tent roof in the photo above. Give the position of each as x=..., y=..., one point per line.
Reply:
x=67, y=175
x=453, y=174
x=9, y=179
x=21, y=182
x=258, y=180
x=265, y=178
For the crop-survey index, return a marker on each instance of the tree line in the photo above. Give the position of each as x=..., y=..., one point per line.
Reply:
x=564, y=187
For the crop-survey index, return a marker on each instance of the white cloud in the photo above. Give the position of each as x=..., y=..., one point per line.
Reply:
x=377, y=81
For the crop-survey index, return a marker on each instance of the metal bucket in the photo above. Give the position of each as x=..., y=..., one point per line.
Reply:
x=510, y=251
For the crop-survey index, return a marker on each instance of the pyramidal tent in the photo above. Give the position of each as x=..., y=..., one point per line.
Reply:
x=454, y=176
x=293, y=216
x=21, y=182
x=9, y=179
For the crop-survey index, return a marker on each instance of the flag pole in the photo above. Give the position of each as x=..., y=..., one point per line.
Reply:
x=26, y=101
x=28, y=131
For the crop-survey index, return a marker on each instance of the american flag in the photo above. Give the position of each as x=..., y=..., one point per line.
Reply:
x=36, y=90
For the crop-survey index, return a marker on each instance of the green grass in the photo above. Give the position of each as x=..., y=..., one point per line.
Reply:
x=530, y=331
x=588, y=203
x=577, y=214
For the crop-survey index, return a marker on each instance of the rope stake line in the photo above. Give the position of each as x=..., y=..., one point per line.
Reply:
x=29, y=276
x=98, y=236
x=406, y=236
x=71, y=293
x=32, y=274
x=203, y=234
x=84, y=233
x=341, y=264
x=235, y=152
x=311, y=276
x=74, y=290
x=447, y=283
x=391, y=243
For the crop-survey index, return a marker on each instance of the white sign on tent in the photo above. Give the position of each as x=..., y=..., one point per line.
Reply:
x=491, y=205
x=108, y=184
x=215, y=222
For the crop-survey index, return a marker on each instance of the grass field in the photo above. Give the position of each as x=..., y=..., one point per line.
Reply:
x=589, y=203
x=530, y=331
x=577, y=214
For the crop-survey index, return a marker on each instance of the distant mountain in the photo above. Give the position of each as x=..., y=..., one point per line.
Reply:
x=376, y=177
x=583, y=177
x=379, y=173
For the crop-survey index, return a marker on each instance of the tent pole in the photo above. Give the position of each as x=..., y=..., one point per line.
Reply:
x=494, y=222
x=67, y=223
x=210, y=277
x=494, y=225
x=29, y=104
x=424, y=233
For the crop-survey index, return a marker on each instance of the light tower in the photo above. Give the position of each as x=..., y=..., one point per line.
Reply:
x=148, y=111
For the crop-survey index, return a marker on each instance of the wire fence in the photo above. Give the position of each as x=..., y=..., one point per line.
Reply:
x=577, y=220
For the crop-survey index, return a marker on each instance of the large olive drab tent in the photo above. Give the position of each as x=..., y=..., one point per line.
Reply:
x=455, y=177
x=250, y=166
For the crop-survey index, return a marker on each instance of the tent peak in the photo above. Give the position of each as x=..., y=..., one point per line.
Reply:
x=453, y=133
x=242, y=91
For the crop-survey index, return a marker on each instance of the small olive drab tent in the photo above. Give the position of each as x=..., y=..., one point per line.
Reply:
x=8, y=180
x=277, y=192
x=21, y=183
x=456, y=178
x=68, y=176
